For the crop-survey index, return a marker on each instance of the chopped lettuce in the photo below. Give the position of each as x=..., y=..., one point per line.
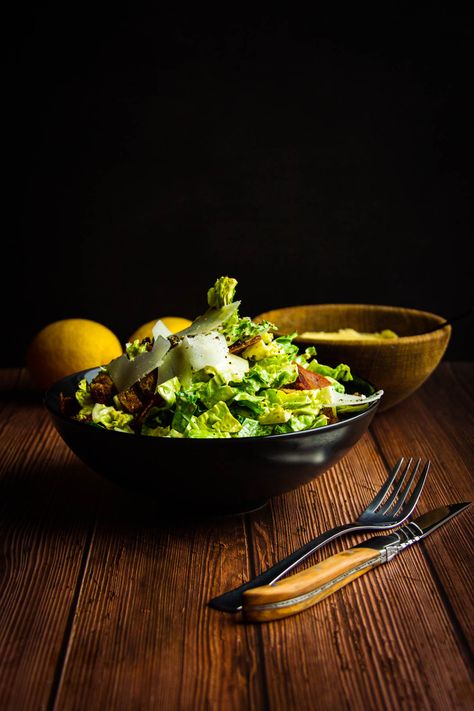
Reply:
x=84, y=398
x=111, y=418
x=218, y=419
x=341, y=373
x=83, y=395
x=224, y=376
x=135, y=348
x=222, y=293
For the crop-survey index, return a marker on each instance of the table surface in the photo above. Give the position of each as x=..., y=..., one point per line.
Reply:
x=103, y=605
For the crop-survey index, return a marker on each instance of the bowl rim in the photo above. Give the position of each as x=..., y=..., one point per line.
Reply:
x=54, y=411
x=367, y=343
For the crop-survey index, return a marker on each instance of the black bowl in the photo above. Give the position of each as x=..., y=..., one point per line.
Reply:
x=218, y=476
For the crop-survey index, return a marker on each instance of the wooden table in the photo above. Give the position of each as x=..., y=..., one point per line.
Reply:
x=104, y=605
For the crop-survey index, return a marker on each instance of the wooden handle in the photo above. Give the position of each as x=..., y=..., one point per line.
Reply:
x=298, y=592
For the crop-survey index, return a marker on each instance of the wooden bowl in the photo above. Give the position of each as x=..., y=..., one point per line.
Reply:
x=398, y=366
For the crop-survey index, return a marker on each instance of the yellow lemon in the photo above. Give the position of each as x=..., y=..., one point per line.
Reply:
x=67, y=346
x=174, y=323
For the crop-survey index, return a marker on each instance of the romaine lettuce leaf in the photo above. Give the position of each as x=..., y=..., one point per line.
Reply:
x=83, y=394
x=273, y=372
x=341, y=373
x=217, y=421
x=185, y=408
x=222, y=293
x=111, y=418
x=168, y=391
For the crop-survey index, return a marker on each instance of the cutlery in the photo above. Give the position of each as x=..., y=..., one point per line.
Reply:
x=302, y=590
x=449, y=321
x=381, y=513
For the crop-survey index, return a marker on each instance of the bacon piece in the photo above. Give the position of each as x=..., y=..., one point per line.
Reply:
x=240, y=346
x=307, y=380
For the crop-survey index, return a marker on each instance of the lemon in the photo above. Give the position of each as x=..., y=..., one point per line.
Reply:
x=174, y=323
x=67, y=346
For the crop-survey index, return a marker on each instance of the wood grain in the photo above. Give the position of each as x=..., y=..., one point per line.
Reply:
x=43, y=542
x=446, y=412
x=103, y=602
x=381, y=663
x=143, y=635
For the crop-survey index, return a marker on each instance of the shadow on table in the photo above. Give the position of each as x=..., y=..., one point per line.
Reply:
x=70, y=496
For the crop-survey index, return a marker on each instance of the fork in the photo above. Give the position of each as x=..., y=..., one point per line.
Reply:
x=389, y=508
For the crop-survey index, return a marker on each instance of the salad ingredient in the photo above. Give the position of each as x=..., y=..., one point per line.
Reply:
x=67, y=346
x=172, y=323
x=212, y=319
x=125, y=371
x=223, y=376
x=204, y=350
x=345, y=334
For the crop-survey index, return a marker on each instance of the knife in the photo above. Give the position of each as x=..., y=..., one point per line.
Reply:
x=302, y=590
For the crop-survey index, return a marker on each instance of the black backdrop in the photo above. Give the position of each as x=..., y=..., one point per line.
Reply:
x=313, y=159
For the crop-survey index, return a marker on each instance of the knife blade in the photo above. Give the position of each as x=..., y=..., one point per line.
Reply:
x=302, y=590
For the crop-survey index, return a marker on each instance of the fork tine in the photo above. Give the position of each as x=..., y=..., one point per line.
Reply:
x=404, y=494
x=413, y=500
x=386, y=506
x=385, y=487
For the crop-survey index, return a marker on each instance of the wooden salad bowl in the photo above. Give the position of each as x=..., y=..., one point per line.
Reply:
x=398, y=366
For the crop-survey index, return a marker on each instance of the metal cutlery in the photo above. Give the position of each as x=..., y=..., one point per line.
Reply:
x=389, y=508
x=449, y=321
x=302, y=590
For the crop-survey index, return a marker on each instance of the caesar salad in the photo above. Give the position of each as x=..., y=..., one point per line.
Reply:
x=224, y=376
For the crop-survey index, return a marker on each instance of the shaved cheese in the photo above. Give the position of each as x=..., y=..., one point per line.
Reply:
x=341, y=399
x=210, y=320
x=237, y=366
x=205, y=350
x=125, y=372
x=160, y=329
x=199, y=346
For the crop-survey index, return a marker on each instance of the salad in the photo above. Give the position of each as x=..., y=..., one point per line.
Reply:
x=225, y=376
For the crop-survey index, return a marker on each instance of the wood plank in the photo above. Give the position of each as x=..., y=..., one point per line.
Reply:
x=444, y=408
x=44, y=532
x=338, y=496
x=143, y=636
x=362, y=656
x=146, y=585
x=369, y=646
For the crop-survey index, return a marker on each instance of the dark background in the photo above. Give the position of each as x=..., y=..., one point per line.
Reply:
x=313, y=158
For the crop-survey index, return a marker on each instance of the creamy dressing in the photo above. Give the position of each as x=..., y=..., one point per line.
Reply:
x=348, y=334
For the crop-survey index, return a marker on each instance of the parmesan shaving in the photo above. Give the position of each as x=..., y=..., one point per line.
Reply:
x=125, y=372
